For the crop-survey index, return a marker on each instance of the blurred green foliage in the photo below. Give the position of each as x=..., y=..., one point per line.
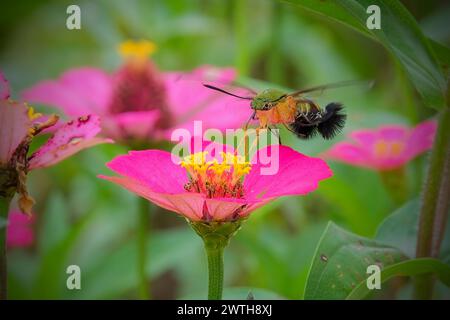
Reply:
x=86, y=221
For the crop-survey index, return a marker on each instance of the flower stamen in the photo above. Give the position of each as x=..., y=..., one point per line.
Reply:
x=137, y=49
x=214, y=178
x=383, y=149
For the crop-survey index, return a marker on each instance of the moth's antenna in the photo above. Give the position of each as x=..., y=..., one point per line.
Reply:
x=226, y=92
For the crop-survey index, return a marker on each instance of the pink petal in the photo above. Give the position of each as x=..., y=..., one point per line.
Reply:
x=219, y=111
x=190, y=205
x=365, y=139
x=140, y=124
x=393, y=133
x=14, y=126
x=421, y=139
x=19, y=230
x=140, y=189
x=297, y=174
x=54, y=94
x=4, y=87
x=94, y=85
x=77, y=92
x=408, y=144
x=190, y=100
x=186, y=204
x=353, y=154
x=389, y=134
x=183, y=87
x=72, y=137
x=224, y=208
x=184, y=94
x=153, y=168
x=358, y=156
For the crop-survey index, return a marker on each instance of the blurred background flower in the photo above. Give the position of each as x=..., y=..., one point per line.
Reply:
x=384, y=148
x=137, y=103
x=20, y=232
x=387, y=150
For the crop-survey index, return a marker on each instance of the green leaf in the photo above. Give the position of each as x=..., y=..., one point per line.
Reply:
x=400, y=228
x=341, y=260
x=399, y=33
x=442, y=55
x=406, y=268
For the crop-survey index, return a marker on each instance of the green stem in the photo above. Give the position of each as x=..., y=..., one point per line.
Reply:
x=216, y=236
x=215, y=272
x=4, y=209
x=435, y=203
x=142, y=237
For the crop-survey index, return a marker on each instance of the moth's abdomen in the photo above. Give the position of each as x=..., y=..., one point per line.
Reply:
x=333, y=121
x=302, y=129
x=327, y=122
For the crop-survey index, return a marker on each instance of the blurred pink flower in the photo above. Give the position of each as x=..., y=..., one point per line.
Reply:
x=385, y=148
x=20, y=230
x=201, y=187
x=19, y=125
x=138, y=102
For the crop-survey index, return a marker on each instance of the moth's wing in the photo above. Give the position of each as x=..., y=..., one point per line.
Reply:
x=318, y=90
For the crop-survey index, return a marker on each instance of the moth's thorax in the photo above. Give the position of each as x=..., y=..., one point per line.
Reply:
x=283, y=111
x=267, y=99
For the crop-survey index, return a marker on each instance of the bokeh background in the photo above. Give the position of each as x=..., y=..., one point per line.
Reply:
x=91, y=223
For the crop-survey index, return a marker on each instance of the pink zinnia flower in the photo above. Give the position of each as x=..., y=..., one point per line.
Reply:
x=139, y=102
x=215, y=184
x=20, y=230
x=385, y=148
x=19, y=125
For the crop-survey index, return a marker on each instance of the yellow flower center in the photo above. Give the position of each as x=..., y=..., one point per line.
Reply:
x=137, y=49
x=397, y=148
x=385, y=149
x=216, y=179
